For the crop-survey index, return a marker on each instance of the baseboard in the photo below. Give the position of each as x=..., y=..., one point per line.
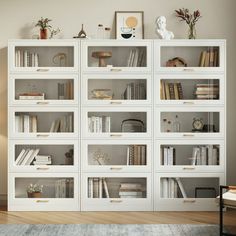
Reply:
x=3, y=199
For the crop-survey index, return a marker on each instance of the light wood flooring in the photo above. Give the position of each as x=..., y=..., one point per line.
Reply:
x=116, y=218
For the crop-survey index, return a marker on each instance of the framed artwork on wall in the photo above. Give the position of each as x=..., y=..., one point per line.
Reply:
x=129, y=25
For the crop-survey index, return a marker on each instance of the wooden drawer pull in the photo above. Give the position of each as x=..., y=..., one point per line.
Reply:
x=115, y=70
x=188, y=70
x=115, y=103
x=42, y=201
x=188, y=135
x=189, y=201
x=116, y=168
x=115, y=135
x=42, y=103
x=116, y=201
x=42, y=70
x=42, y=135
x=188, y=103
x=189, y=168
x=42, y=168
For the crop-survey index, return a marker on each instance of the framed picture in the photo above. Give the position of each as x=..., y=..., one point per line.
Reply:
x=129, y=25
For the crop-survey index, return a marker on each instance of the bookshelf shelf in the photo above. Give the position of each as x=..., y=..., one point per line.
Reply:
x=140, y=112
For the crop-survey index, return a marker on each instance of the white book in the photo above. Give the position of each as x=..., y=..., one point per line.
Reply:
x=165, y=156
x=100, y=126
x=170, y=156
x=100, y=187
x=171, y=188
x=107, y=124
x=42, y=163
x=42, y=157
x=52, y=127
x=127, y=156
x=56, y=189
x=36, y=60
x=139, y=194
x=194, y=156
x=165, y=189
x=198, y=157
x=26, y=124
x=214, y=156
x=105, y=188
x=210, y=154
x=90, y=184
x=20, y=156
x=17, y=124
x=25, y=58
x=27, y=157
x=89, y=125
x=135, y=63
x=203, y=155
x=181, y=187
x=31, y=158
x=175, y=190
x=23, y=156
x=129, y=59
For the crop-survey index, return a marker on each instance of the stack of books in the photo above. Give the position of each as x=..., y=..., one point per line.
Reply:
x=64, y=188
x=97, y=188
x=168, y=155
x=26, y=156
x=171, y=188
x=65, y=90
x=99, y=124
x=43, y=160
x=135, y=91
x=131, y=190
x=64, y=124
x=25, y=123
x=136, y=155
x=24, y=58
x=137, y=58
x=171, y=91
x=207, y=91
x=205, y=155
x=31, y=96
x=209, y=58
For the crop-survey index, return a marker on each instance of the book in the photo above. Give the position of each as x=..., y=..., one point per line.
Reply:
x=207, y=59
x=167, y=91
x=180, y=91
x=19, y=157
x=105, y=188
x=33, y=155
x=27, y=157
x=165, y=188
x=181, y=187
x=202, y=58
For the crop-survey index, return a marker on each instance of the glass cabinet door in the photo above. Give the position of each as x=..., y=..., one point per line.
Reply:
x=44, y=56
x=119, y=56
x=188, y=56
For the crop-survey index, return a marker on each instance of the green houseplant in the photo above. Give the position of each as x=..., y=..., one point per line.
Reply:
x=44, y=25
x=34, y=190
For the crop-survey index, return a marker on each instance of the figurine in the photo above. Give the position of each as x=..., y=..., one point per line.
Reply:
x=82, y=34
x=161, y=29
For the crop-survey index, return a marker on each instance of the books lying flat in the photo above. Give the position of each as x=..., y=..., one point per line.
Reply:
x=42, y=160
x=31, y=96
x=207, y=91
x=131, y=190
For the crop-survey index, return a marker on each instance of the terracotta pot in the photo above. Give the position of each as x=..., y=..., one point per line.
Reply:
x=43, y=33
x=34, y=195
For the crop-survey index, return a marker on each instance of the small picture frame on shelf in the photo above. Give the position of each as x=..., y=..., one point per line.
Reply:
x=129, y=25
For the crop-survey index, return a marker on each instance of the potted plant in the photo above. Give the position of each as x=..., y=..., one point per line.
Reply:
x=34, y=190
x=44, y=25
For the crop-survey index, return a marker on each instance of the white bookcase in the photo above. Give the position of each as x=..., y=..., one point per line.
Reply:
x=119, y=121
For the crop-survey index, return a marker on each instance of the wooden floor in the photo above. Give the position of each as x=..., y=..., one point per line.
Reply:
x=115, y=217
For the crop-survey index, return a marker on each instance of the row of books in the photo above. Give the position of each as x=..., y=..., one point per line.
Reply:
x=25, y=123
x=171, y=187
x=24, y=58
x=65, y=90
x=137, y=58
x=171, y=90
x=97, y=188
x=135, y=91
x=205, y=155
x=209, y=58
x=64, y=124
x=207, y=91
x=64, y=188
x=136, y=155
x=131, y=190
x=168, y=155
x=30, y=156
x=99, y=124
x=31, y=96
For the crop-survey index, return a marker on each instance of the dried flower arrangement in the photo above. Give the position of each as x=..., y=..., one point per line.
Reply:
x=190, y=18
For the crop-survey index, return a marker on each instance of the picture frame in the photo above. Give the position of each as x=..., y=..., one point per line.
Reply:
x=129, y=25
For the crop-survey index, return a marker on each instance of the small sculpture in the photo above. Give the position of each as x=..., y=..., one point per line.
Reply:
x=81, y=34
x=161, y=29
x=176, y=62
x=102, y=56
x=61, y=58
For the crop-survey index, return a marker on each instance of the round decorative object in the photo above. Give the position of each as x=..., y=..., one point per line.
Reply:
x=101, y=57
x=176, y=62
x=197, y=124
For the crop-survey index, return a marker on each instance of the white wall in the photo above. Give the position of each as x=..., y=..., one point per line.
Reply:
x=16, y=19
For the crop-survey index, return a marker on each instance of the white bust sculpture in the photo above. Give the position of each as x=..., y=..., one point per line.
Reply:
x=161, y=29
